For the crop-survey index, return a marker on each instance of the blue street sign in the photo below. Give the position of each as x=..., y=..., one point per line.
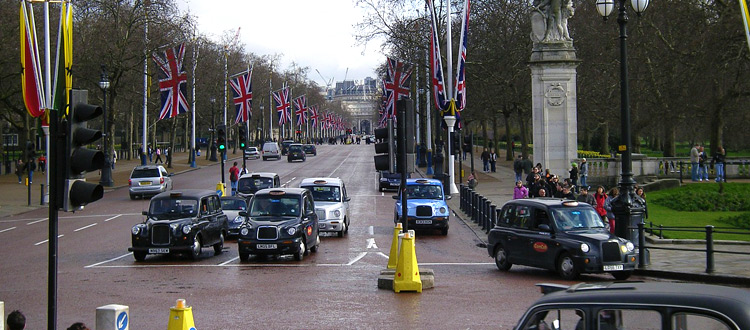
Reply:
x=122, y=321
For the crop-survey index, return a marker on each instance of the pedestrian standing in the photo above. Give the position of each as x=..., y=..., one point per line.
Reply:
x=472, y=180
x=520, y=191
x=493, y=160
x=42, y=163
x=16, y=320
x=600, y=197
x=150, y=154
x=234, y=176
x=585, y=197
x=574, y=176
x=485, y=160
x=613, y=193
x=583, y=172
x=518, y=168
x=694, y=156
x=114, y=158
x=702, y=165
x=719, y=162
x=158, y=156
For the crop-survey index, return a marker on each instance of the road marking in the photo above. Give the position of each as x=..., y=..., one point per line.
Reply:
x=228, y=261
x=84, y=227
x=46, y=240
x=232, y=265
x=110, y=260
x=371, y=243
x=456, y=263
x=383, y=254
x=371, y=230
x=38, y=221
x=342, y=163
x=382, y=194
x=286, y=183
x=112, y=218
x=360, y=256
x=7, y=229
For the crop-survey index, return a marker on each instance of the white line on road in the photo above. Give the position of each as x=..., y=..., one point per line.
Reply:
x=383, y=254
x=84, y=227
x=382, y=194
x=110, y=260
x=456, y=263
x=112, y=218
x=371, y=230
x=286, y=183
x=7, y=229
x=371, y=243
x=360, y=256
x=232, y=265
x=228, y=261
x=38, y=221
x=342, y=163
x=46, y=240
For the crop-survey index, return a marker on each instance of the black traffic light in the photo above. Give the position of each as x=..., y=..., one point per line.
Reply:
x=455, y=143
x=243, y=136
x=221, y=140
x=30, y=151
x=80, y=160
x=385, y=149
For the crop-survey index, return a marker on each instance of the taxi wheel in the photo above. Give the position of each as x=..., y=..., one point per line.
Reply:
x=219, y=246
x=346, y=223
x=314, y=248
x=343, y=229
x=139, y=256
x=621, y=276
x=302, y=250
x=566, y=268
x=501, y=258
x=244, y=256
x=195, y=250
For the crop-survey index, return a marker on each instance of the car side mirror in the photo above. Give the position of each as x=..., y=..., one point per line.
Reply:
x=170, y=174
x=395, y=197
x=448, y=197
x=144, y=212
x=544, y=227
x=243, y=214
x=347, y=199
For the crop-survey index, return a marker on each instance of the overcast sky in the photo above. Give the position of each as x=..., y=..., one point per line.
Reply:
x=314, y=33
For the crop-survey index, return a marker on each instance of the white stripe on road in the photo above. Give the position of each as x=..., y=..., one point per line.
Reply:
x=46, y=240
x=383, y=254
x=371, y=243
x=286, y=183
x=84, y=227
x=38, y=221
x=112, y=218
x=7, y=229
x=360, y=256
x=228, y=261
x=371, y=230
x=342, y=163
x=110, y=260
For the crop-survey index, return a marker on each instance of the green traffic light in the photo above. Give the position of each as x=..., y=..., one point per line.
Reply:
x=242, y=145
x=221, y=147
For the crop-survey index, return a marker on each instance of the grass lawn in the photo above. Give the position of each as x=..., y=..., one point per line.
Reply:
x=699, y=205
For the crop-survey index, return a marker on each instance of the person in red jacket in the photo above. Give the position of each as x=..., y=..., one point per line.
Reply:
x=601, y=197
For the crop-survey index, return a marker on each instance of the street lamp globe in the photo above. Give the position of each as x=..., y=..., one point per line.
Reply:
x=605, y=7
x=104, y=82
x=639, y=5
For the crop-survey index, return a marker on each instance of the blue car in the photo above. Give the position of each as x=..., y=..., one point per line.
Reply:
x=425, y=204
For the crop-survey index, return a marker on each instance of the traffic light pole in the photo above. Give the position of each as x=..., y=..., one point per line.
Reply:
x=54, y=189
x=401, y=138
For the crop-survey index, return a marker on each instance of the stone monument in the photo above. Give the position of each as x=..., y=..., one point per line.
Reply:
x=553, y=86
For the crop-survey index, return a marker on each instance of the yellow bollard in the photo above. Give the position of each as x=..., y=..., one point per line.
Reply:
x=181, y=317
x=393, y=256
x=407, y=271
x=220, y=189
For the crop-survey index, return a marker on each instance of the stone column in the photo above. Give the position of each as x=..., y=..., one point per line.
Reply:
x=553, y=91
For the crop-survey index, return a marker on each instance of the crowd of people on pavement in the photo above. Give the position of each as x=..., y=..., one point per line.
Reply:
x=699, y=164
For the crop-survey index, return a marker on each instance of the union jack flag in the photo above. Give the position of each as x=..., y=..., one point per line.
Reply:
x=328, y=121
x=242, y=88
x=314, y=115
x=396, y=83
x=436, y=66
x=172, y=82
x=383, y=115
x=461, y=72
x=283, y=107
x=300, y=110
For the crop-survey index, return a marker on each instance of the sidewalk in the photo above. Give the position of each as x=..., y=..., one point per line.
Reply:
x=681, y=265
x=15, y=196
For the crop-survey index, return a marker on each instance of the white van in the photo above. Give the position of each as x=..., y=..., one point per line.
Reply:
x=271, y=150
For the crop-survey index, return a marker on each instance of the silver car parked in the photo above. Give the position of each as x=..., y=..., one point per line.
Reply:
x=331, y=203
x=149, y=180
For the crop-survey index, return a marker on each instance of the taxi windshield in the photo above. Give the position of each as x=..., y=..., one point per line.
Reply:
x=576, y=218
x=421, y=191
x=250, y=185
x=325, y=193
x=164, y=209
x=270, y=205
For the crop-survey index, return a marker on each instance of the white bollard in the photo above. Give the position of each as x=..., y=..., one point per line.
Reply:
x=112, y=317
x=2, y=315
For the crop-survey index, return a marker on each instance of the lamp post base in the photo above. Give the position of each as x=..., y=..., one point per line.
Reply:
x=106, y=179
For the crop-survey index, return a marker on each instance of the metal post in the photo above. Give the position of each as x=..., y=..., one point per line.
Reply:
x=642, y=258
x=106, y=178
x=487, y=216
x=710, y=249
x=401, y=113
x=41, y=190
x=493, y=217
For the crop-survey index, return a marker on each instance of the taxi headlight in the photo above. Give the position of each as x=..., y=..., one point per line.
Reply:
x=136, y=229
x=630, y=246
x=442, y=209
x=244, y=231
x=237, y=219
x=186, y=229
x=585, y=247
x=337, y=213
x=291, y=231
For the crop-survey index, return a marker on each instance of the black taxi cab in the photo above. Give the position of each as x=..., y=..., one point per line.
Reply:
x=560, y=235
x=280, y=221
x=635, y=305
x=181, y=221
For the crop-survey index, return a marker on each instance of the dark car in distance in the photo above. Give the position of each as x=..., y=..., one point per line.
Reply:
x=636, y=305
x=181, y=221
x=285, y=146
x=310, y=149
x=295, y=152
x=232, y=206
x=560, y=235
x=279, y=221
x=388, y=180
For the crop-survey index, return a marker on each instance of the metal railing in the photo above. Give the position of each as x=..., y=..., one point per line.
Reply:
x=479, y=208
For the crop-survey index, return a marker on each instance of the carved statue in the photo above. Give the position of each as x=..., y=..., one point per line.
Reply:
x=549, y=20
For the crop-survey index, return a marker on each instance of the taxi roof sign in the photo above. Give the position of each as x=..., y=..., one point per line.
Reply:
x=175, y=194
x=277, y=192
x=570, y=203
x=320, y=182
x=422, y=181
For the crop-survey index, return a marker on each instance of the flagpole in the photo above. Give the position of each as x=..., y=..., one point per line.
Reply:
x=144, y=138
x=192, y=131
x=449, y=53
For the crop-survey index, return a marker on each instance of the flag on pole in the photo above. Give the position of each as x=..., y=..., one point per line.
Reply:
x=436, y=65
x=397, y=82
x=242, y=89
x=460, y=95
x=281, y=103
x=314, y=115
x=745, y=19
x=31, y=74
x=300, y=110
x=172, y=82
x=63, y=74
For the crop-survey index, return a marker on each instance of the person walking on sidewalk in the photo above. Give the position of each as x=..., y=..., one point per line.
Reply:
x=574, y=175
x=518, y=168
x=694, y=156
x=485, y=160
x=583, y=172
x=718, y=161
x=158, y=156
x=493, y=160
x=234, y=176
x=472, y=180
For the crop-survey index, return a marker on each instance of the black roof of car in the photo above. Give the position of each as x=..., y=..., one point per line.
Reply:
x=546, y=201
x=232, y=198
x=186, y=194
x=729, y=301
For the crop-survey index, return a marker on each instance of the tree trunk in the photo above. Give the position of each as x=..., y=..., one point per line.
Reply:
x=717, y=131
x=495, y=135
x=508, y=136
x=636, y=143
x=485, y=136
x=669, y=140
x=524, y=133
x=604, y=147
x=129, y=134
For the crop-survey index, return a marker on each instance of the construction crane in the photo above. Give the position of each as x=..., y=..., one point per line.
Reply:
x=328, y=85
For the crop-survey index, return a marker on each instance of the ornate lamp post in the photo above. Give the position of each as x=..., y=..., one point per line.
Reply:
x=627, y=207
x=106, y=179
x=450, y=121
